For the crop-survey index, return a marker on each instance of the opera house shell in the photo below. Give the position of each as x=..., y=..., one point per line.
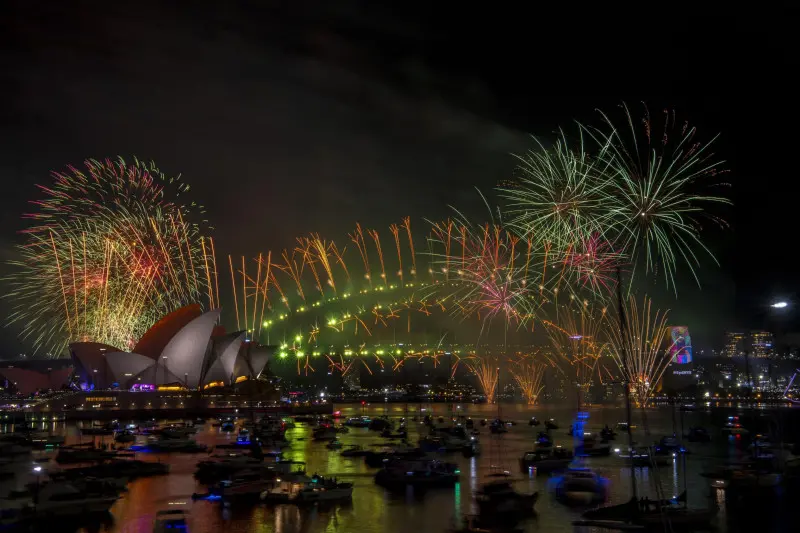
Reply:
x=184, y=348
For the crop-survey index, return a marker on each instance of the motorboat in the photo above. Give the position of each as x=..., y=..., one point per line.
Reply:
x=476, y=524
x=121, y=468
x=334, y=445
x=546, y=460
x=743, y=476
x=607, y=434
x=418, y=473
x=443, y=444
x=247, y=485
x=698, y=434
x=82, y=455
x=387, y=453
x=172, y=445
x=669, y=445
x=688, y=407
x=379, y=424
x=358, y=422
x=301, y=489
x=550, y=424
x=354, y=450
x=594, y=448
x=580, y=486
x=42, y=440
x=472, y=448
x=649, y=513
x=533, y=421
x=642, y=457
x=324, y=434
x=498, y=426
x=544, y=440
x=170, y=519
x=499, y=503
x=125, y=436
x=734, y=427
x=62, y=499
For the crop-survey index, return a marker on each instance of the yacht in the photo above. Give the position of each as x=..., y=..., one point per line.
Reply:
x=498, y=502
x=580, y=486
x=302, y=489
x=546, y=460
x=419, y=473
x=62, y=499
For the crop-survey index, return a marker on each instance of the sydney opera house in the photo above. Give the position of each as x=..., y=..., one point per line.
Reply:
x=185, y=349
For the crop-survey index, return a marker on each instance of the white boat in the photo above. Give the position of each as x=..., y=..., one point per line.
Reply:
x=580, y=486
x=170, y=519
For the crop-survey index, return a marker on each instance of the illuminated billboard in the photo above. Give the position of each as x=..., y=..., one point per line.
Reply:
x=681, y=348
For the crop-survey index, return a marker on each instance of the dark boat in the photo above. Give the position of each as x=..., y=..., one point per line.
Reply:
x=499, y=503
x=378, y=458
x=654, y=513
x=698, y=434
x=546, y=460
x=418, y=473
x=533, y=421
x=607, y=434
x=550, y=424
x=474, y=524
x=354, y=450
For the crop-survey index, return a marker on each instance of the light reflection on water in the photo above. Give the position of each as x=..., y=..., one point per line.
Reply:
x=374, y=510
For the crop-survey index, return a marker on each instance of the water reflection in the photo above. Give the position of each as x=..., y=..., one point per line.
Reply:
x=375, y=510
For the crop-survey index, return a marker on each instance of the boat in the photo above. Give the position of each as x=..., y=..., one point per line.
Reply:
x=354, y=450
x=120, y=468
x=358, y=422
x=698, y=434
x=471, y=448
x=669, y=445
x=734, y=427
x=41, y=440
x=594, y=448
x=387, y=453
x=474, y=524
x=642, y=457
x=653, y=513
x=379, y=424
x=173, y=445
x=62, y=499
x=688, y=407
x=82, y=455
x=227, y=426
x=247, y=485
x=533, y=421
x=418, y=473
x=498, y=426
x=499, y=503
x=125, y=436
x=580, y=486
x=543, y=440
x=607, y=434
x=97, y=431
x=170, y=519
x=334, y=445
x=546, y=460
x=324, y=434
x=300, y=489
x=550, y=424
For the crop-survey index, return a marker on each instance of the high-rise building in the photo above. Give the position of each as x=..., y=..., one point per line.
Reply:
x=734, y=344
x=760, y=343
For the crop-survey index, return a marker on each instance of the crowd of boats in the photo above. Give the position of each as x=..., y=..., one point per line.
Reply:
x=80, y=481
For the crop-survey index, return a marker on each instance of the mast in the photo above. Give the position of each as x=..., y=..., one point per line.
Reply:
x=623, y=331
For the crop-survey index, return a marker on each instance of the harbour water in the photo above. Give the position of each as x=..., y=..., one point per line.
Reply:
x=374, y=510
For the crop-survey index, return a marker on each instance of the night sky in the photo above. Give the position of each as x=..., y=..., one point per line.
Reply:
x=293, y=117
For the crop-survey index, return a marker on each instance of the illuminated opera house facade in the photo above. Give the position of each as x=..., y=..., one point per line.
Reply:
x=186, y=349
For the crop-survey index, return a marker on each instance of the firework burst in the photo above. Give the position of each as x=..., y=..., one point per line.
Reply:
x=487, y=371
x=110, y=251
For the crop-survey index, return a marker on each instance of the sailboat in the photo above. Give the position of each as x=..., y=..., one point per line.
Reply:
x=499, y=505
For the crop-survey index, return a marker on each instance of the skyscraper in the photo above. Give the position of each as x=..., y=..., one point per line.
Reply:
x=734, y=344
x=760, y=343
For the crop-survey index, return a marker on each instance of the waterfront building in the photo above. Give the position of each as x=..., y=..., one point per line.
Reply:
x=734, y=344
x=760, y=344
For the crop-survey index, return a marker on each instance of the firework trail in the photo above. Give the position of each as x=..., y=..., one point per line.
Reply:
x=578, y=338
x=528, y=373
x=109, y=251
x=487, y=371
x=641, y=348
